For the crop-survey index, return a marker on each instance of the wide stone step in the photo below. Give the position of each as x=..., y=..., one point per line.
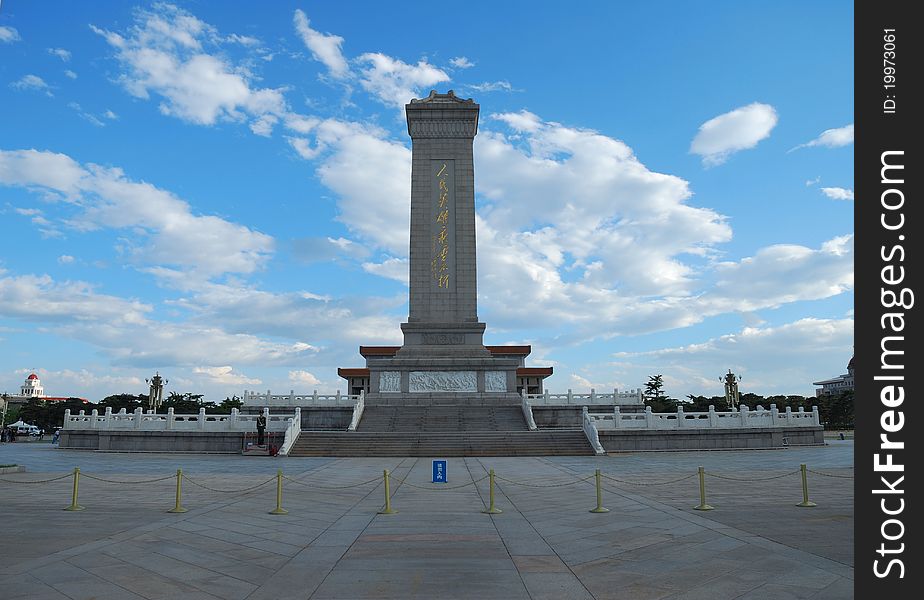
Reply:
x=481, y=443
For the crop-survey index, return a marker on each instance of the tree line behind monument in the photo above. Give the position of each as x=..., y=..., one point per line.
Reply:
x=836, y=410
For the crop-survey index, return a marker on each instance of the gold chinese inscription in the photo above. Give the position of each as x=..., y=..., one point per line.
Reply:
x=439, y=265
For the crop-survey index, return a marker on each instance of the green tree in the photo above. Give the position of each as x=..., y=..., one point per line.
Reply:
x=655, y=397
x=228, y=403
x=127, y=401
x=187, y=403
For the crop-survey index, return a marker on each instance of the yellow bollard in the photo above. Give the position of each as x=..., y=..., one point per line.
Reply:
x=599, y=508
x=74, y=505
x=491, y=510
x=702, y=492
x=388, y=509
x=279, y=510
x=178, y=508
x=806, y=503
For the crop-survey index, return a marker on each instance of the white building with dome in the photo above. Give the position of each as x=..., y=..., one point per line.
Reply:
x=32, y=388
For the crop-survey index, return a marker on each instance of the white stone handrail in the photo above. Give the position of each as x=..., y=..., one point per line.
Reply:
x=590, y=430
x=292, y=432
x=591, y=399
x=293, y=399
x=170, y=421
x=742, y=418
x=358, y=409
x=528, y=412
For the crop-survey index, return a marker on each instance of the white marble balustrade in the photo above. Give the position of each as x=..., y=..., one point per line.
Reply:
x=591, y=399
x=170, y=421
x=292, y=399
x=742, y=418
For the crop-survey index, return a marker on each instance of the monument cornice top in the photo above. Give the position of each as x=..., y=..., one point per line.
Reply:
x=447, y=98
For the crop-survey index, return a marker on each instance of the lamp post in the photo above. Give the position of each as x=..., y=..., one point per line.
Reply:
x=731, y=389
x=156, y=394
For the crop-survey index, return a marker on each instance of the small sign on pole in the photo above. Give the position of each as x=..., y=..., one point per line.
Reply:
x=439, y=471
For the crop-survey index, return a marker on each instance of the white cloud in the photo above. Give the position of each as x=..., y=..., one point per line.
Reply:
x=831, y=138
x=39, y=298
x=8, y=35
x=164, y=227
x=772, y=360
x=740, y=129
x=303, y=377
x=491, y=86
x=31, y=83
x=390, y=268
x=61, y=53
x=837, y=193
x=225, y=375
x=163, y=54
x=70, y=74
x=65, y=259
x=325, y=48
x=395, y=82
x=460, y=62
x=811, y=182
x=110, y=115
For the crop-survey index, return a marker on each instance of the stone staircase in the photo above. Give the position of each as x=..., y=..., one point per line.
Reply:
x=438, y=445
x=442, y=431
x=449, y=419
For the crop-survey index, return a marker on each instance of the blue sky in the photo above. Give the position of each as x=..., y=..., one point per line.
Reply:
x=222, y=194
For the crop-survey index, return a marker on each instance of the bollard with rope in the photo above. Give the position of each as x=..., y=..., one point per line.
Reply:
x=279, y=510
x=702, y=491
x=388, y=510
x=491, y=510
x=806, y=503
x=599, y=508
x=74, y=506
x=178, y=507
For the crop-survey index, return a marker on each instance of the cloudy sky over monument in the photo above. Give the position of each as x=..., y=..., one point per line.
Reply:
x=222, y=193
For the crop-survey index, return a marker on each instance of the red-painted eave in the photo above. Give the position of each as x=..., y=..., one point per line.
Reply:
x=378, y=350
x=534, y=371
x=510, y=350
x=345, y=373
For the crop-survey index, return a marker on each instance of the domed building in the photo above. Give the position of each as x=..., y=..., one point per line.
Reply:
x=32, y=388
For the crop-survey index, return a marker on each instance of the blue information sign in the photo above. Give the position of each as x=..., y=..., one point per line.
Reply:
x=439, y=471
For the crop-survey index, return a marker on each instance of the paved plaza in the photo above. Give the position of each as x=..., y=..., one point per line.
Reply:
x=756, y=544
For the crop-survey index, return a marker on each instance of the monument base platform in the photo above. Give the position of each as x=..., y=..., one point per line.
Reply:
x=444, y=399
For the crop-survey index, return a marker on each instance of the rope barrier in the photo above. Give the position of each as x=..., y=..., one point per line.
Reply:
x=830, y=474
x=751, y=479
x=642, y=483
x=88, y=476
x=341, y=487
x=440, y=486
x=524, y=484
x=240, y=491
x=37, y=480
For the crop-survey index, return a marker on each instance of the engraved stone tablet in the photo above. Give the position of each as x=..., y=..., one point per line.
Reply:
x=443, y=381
x=495, y=381
x=390, y=381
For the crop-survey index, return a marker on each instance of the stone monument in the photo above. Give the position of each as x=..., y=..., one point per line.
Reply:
x=443, y=350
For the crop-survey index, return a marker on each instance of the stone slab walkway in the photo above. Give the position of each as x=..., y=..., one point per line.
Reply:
x=333, y=544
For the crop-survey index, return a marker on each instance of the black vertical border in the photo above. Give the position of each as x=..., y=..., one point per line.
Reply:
x=878, y=132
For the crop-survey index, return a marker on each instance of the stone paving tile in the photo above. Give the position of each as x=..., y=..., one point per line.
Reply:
x=18, y=587
x=334, y=545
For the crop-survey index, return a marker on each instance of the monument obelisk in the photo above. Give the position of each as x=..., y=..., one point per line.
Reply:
x=443, y=358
